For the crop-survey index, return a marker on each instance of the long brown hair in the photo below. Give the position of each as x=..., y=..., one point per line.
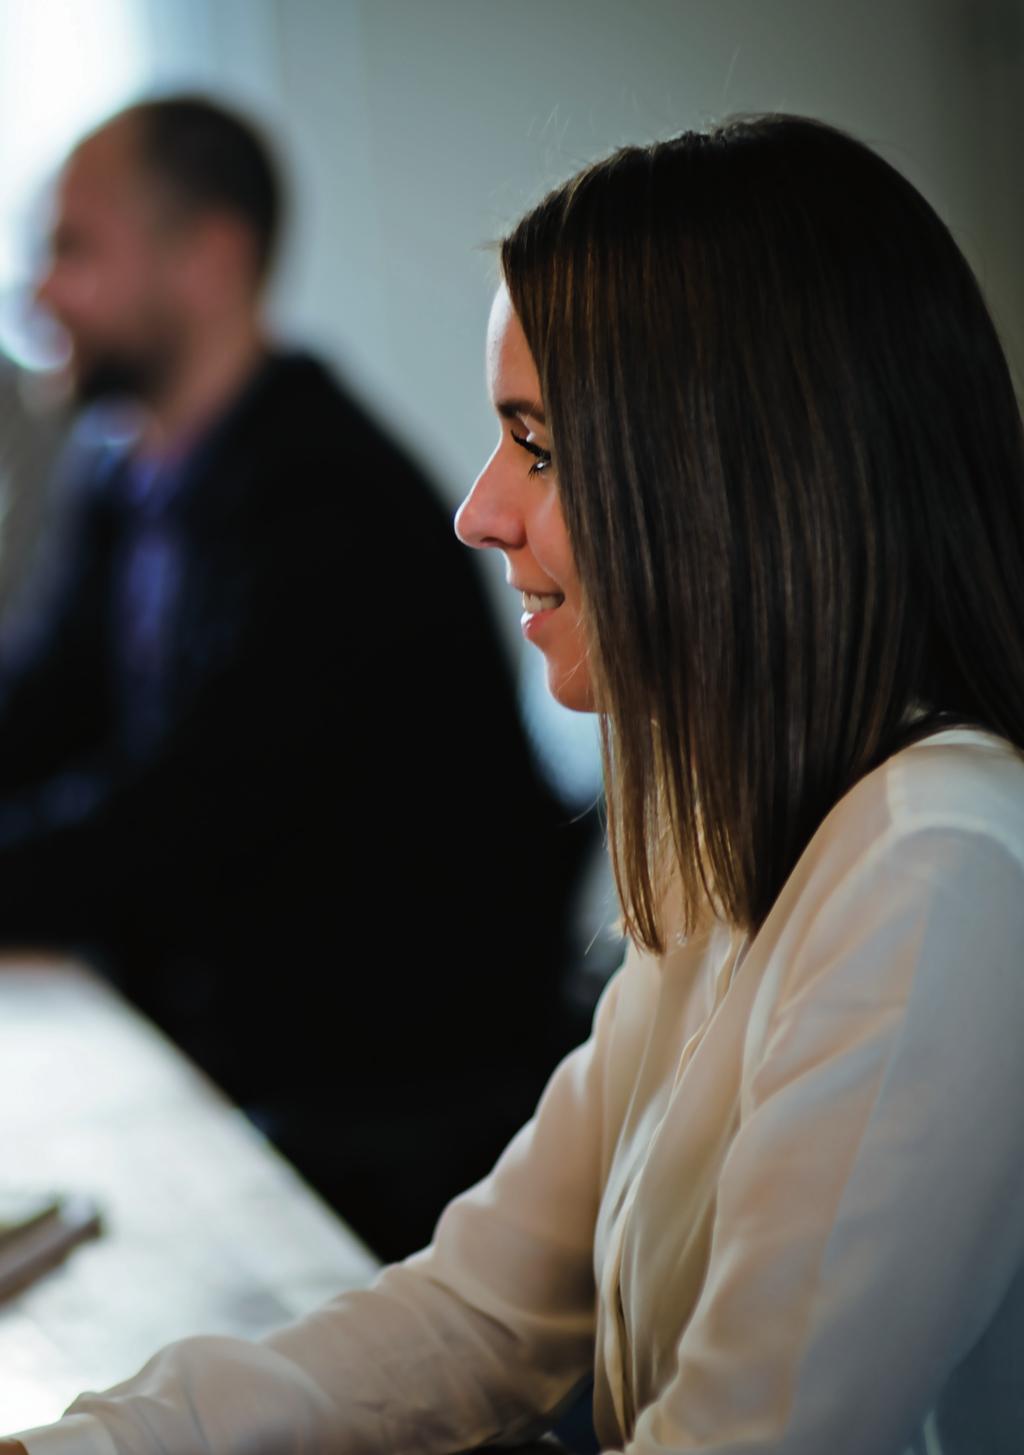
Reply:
x=792, y=468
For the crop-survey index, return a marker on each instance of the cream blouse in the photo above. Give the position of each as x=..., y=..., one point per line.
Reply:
x=775, y=1203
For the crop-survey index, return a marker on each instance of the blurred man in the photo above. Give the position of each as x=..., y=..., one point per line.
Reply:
x=259, y=754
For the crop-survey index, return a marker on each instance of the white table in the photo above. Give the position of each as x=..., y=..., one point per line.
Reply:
x=207, y=1228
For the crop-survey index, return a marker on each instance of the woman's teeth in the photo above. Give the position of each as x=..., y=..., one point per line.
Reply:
x=534, y=603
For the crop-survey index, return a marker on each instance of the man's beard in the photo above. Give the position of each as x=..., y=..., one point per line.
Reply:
x=112, y=375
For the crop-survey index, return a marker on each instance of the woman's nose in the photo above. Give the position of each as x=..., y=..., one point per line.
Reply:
x=489, y=517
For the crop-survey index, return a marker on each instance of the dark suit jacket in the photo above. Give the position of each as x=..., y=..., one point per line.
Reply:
x=336, y=861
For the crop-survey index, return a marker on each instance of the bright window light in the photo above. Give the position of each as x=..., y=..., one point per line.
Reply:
x=64, y=64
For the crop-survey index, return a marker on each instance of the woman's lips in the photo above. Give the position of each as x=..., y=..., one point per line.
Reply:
x=538, y=609
x=535, y=602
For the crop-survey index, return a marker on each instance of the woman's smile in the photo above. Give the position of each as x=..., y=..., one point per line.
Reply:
x=514, y=507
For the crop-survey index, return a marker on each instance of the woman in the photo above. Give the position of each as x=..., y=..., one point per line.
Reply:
x=760, y=480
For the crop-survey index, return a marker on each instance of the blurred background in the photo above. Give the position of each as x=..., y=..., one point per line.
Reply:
x=412, y=133
x=415, y=130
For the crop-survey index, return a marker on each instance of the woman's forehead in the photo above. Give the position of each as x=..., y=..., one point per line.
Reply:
x=511, y=372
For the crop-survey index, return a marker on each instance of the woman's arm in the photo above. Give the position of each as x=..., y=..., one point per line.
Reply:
x=481, y=1335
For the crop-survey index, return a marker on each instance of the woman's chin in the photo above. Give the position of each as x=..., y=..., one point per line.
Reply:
x=571, y=689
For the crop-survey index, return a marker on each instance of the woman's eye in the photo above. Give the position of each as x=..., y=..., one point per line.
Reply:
x=542, y=457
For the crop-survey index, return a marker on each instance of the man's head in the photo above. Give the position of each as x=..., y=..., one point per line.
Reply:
x=165, y=230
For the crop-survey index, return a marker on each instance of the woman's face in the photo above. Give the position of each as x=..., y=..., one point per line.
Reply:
x=514, y=507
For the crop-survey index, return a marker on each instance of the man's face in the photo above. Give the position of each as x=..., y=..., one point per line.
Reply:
x=112, y=278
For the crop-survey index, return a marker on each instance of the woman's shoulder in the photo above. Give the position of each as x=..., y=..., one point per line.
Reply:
x=960, y=780
x=953, y=799
x=916, y=873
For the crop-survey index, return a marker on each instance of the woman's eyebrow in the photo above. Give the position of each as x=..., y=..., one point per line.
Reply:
x=516, y=408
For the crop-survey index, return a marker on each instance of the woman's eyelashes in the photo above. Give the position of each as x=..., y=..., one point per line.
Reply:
x=542, y=459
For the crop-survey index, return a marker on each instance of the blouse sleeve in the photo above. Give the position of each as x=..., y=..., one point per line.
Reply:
x=870, y=1212
x=481, y=1335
